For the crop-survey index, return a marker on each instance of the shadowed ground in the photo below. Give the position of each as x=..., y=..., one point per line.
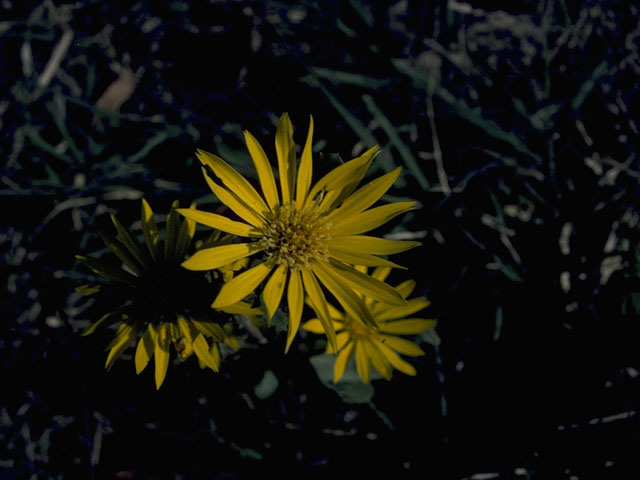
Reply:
x=516, y=131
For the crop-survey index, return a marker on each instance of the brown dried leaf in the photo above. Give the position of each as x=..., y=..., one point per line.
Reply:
x=118, y=92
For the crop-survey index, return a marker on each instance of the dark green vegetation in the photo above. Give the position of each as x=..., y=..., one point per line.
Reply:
x=517, y=127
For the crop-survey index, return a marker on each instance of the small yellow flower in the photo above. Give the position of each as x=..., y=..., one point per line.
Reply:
x=377, y=347
x=165, y=303
x=307, y=236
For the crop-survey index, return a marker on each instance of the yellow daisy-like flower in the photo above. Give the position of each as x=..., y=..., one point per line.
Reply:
x=308, y=235
x=377, y=347
x=165, y=301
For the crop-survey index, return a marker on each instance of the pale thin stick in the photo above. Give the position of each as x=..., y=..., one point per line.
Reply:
x=59, y=51
x=437, y=151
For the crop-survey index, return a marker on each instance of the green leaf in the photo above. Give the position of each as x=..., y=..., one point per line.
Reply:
x=358, y=127
x=350, y=388
x=635, y=299
x=338, y=77
x=498, y=328
x=586, y=88
x=171, y=232
x=122, y=253
x=420, y=80
x=107, y=270
x=431, y=337
x=130, y=242
x=150, y=231
x=394, y=139
x=267, y=386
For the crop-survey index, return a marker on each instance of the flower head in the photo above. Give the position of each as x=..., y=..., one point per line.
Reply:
x=308, y=237
x=164, y=301
x=377, y=347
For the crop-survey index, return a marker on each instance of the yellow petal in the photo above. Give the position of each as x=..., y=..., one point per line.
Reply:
x=306, y=167
x=87, y=290
x=144, y=351
x=285, y=149
x=314, y=326
x=242, y=308
x=392, y=312
x=235, y=202
x=365, y=196
x=378, y=360
x=208, y=328
x=319, y=304
x=215, y=353
x=335, y=196
x=352, y=304
x=241, y=286
x=198, y=342
x=371, y=245
x=273, y=290
x=369, y=219
x=233, y=180
x=407, y=326
x=150, y=231
x=161, y=352
x=401, y=345
x=381, y=273
x=336, y=315
x=106, y=320
x=362, y=362
x=185, y=235
x=215, y=257
x=124, y=336
x=295, y=297
x=395, y=360
x=341, y=340
x=263, y=167
x=342, y=179
x=341, y=362
x=204, y=353
x=366, y=284
x=360, y=259
x=219, y=222
x=405, y=288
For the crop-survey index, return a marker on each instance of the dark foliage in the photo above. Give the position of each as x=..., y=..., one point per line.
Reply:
x=516, y=127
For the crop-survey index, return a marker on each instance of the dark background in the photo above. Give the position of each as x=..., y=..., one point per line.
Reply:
x=515, y=125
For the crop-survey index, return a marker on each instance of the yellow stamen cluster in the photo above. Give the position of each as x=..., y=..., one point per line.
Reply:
x=294, y=237
x=357, y=329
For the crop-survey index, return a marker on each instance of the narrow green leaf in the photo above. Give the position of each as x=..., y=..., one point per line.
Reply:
x=130, y=242
x=463, y=111
x=122, y=253
x=360, y=129
x=586, y=88
x=394, y=138
x=150, y=231
x=107, y=270
x=171, y=232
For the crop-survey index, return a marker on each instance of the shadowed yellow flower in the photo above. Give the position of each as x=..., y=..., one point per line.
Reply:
x=308, y=236
x=165, y=300
x=377, y=347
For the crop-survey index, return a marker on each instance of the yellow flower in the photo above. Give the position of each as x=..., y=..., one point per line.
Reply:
x=308, y=235
x=165, y=301
x=377, y=347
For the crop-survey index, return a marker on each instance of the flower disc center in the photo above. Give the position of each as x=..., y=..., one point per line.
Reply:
x=357, y=329
x=295, y=237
